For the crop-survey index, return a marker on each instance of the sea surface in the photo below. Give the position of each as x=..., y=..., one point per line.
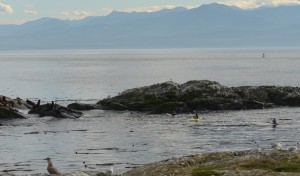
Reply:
x=104, y=140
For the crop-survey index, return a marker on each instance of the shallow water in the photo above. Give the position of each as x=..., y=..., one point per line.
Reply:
x=124, y=140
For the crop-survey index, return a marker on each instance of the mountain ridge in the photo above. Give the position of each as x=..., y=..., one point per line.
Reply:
x=211, y=25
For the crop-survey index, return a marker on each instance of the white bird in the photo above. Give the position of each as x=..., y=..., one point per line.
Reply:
x=51, y=169
x=277, y=146
x=257, y=147
x=293, y=148
x=112, y=170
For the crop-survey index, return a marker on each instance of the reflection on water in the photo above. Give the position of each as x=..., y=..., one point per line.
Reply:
x=102, y=139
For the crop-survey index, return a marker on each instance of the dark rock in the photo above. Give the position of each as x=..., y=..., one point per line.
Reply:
x=82, y=107
x=17, y=103
x=170, y=107
x=236, y=105
x=201, y=95
x=9, y=107
x=54, y=110
x=10, y=114
x=30, y=102
x=252, y=104
x=118, y=106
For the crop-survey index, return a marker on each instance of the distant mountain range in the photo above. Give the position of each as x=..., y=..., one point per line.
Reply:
x=212, y=25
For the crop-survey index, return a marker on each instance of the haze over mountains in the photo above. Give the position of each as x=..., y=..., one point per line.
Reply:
x=212, y=25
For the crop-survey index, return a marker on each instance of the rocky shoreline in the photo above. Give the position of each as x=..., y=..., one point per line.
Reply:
x=267, y=162
x=245, y=163
x=166, y=97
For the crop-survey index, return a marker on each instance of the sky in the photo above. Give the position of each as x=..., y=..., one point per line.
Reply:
x=21, y=11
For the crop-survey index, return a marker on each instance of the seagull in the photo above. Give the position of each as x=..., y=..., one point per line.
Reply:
x=277, y=146
x=112, y=170
x=257, y=147
x=51, y=169
x=293, y=148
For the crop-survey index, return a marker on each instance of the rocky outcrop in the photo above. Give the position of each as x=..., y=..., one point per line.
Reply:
x=17, y=103
x=201, y=95
x=9, y=108
x=244, y=163
x=83, y=107
x=54, y=110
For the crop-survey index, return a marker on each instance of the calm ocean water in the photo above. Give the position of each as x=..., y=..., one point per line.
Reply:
x=127, y=139
x=95, y=74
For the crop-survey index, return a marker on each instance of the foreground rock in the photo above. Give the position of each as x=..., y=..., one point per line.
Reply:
x=201, y=95
x=9, y=108
x=264, y=162
x=54, y=110
x=243, y=163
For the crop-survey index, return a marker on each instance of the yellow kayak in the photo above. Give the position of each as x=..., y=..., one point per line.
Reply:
x=194, y=120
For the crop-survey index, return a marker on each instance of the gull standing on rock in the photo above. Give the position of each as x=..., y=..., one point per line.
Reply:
x=277, y=146
x=51, y=169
